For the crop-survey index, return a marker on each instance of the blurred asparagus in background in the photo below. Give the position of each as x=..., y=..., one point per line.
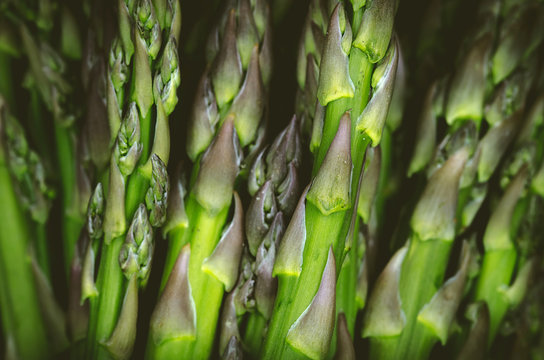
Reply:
x=28, y=318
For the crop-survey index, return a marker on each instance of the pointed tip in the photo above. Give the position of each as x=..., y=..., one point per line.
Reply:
x=288, y=190
x=261, y=210
x=312, y=332
x=265, y=283
x=344, y=344
x=174, y=316
x=176, y=216
x=224, y=261
x=249, y=104
x=372, y=120
x=330, y=189
x=376, y=29
x=384, y=315
x=439, y=313
x=434, y=215
x=291, y=248
x=334, y=79
x=226, y=71
x=219, y=169
x=233, y=350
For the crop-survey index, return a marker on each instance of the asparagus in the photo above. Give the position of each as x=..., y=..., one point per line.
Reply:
x=273, y=182
x=227, y=124
x=137, y=171
x=509, y=235
x=332, y=197
x=22, y=321
x=419, y=270
x=47, y=69
x=418, y=327
x=308, y=62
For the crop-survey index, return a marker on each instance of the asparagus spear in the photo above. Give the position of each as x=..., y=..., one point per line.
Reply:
x=137, y=173
x=273, y=182
x=418, y=272
x=231, y=101
x=22, y=321
x=332, y=197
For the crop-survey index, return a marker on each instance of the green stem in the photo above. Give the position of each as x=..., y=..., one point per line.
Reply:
x=422, y=272
x=66, y=167
x=177, y=239
x=497, y=270
x=138, y=182
x=18, y=296
x=136, y=190
x=254, y=334
x=295, y=294
x=203, y=233
x=105, y=308
x=42, y=254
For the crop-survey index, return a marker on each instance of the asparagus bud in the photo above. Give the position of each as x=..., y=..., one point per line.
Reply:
x=384, y=315
x=330, y=189
x=218, y=170
x=344, y=344
x=95, y=213
x=121, y=343
x=265, y=283
x=156, y=198
x=224, y=261
x=176, y=215
x=494, y=144
x=376, y=29
x=467, y=90
x=261, y=211
x=312, y=332
x=137, y=251
x=475, y=346
x=128, y=148
x=334, y=79
x=226, y=73
x=174, y=316
x=291, y=248
x=228, y=323
x=438, y=314
x=434, y=215
x=233, y=350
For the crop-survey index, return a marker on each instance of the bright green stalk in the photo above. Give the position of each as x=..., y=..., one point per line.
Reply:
x=228, y=119
x=344, y=85
x=207, y=208
x=273, y=182
x=21, y=316
x=137, y=172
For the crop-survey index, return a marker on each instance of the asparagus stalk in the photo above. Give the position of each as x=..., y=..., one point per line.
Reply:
x=420, y=269
x=273, y=182
x=509, y=235
x=137, y=173
x=22, y=321
x=227, y=124
x=333, y=194
x=308, y=63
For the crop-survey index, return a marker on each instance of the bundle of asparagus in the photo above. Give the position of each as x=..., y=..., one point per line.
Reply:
x=296, y=240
